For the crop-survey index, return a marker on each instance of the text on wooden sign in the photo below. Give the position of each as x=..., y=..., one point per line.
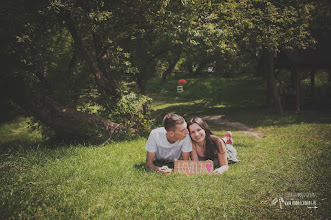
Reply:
x=193, y=167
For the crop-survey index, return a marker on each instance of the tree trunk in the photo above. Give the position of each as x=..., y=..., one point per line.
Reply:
x=272, y=91
x=140, y=80
x=189, y=66
x=297, y=89
x=202, y=64
x=264, y=68
x=170, y=68
x=107, y=87
x=260, y=68
x=65, y=122
x=312, y=82
x=142, y=77
x=68, y=122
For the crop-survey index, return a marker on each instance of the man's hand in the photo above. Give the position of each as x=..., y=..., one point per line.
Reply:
x=164, y=169
x=149, y=163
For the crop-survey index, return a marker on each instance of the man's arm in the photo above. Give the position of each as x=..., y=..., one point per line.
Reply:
x=149, y=161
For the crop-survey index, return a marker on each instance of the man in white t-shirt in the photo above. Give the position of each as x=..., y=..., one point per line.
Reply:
x=168, y=143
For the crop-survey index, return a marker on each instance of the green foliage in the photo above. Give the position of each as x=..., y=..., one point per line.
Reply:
x=317, y=94
x=137, y=40
x=133, y=111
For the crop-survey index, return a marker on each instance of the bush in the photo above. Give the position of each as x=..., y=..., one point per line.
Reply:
x=133, y=111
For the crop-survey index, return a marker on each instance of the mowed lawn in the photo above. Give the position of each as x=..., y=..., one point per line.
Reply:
x=288, y=161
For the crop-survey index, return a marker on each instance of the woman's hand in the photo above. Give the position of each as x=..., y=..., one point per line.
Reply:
x=221, y=170
x=164, y=169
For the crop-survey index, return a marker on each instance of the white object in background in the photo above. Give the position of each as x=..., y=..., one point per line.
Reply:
x=180, y=89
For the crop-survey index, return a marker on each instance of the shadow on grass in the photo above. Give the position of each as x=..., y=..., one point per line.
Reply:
x=252, y=115
x=8, y=111
x=237, y=100
x=142, y=166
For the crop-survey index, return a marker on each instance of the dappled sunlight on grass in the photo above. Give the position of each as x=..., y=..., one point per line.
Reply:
x=206, y=96
x=163, y=105
x=292, y=154
x=218, y=106
x=18, y=131
x=111, y=181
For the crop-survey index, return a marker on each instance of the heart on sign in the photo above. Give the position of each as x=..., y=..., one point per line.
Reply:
x=209, y=167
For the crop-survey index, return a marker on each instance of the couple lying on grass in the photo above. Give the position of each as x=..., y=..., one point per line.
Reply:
x=180, y=140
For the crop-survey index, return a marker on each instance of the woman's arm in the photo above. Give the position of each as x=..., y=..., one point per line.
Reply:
x=222, y=158
x=194, y=154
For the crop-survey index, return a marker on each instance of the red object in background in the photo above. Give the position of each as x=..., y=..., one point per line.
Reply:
x=182, y=81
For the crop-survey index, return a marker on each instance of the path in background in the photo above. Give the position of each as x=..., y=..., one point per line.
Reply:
x=217, y=119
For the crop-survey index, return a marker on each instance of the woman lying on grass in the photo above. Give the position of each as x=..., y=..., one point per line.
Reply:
x=206, y=146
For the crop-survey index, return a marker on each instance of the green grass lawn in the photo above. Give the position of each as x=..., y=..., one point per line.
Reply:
x=292, y=157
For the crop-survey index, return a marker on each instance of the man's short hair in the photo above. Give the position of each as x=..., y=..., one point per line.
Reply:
x=171, y=120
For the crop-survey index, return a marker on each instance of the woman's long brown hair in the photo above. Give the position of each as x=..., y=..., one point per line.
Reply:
x=211, y=142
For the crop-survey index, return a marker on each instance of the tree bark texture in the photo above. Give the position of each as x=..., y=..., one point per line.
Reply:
x=170, y=68
x=107, y=87
x=68, y=122
x=312, y=82
x=273, y=97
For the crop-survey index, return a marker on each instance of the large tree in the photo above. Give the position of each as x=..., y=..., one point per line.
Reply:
x=283, y=26
x=265, y=28
x=69, y=57
x=228, y=29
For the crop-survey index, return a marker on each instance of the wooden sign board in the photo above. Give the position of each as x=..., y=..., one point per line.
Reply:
x=189, y=167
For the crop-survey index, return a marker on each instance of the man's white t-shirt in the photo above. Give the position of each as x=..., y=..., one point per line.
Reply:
x=157, y=142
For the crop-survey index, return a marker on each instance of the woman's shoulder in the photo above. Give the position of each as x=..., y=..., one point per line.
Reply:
x=215, y=138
